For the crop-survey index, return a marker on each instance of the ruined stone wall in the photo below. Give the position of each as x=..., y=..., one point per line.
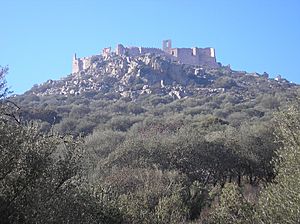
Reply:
x=77, y=65
x=132, y=51
x=80, y=64
x=120, y=49
x=206, y=52
x=207, y=57
x=195, y=56
x=151, y=50
x=129, y=51
x=86, y=62
x=185, y=56
x=190, y=56
x=174, y=52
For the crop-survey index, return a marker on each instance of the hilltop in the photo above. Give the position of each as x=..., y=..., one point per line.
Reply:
x=189, y=56
x=146, y=139
x=118, y=86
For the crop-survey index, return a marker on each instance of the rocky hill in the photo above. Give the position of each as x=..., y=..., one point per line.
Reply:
x=158, y=142
x=148, y=74
x=118, y=91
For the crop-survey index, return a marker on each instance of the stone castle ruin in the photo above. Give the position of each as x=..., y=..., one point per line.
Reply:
x=190, y=56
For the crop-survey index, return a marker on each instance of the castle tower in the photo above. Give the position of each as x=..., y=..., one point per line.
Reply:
x=76, y=64
x=167, y=46
x=120, y=50
x=75, y=67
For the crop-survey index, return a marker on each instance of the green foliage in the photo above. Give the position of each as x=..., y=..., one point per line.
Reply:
x=122, y=123
x=156, y=197
x=225, y=82
x=270, y=102
x=171, y=209
x=78, y=111
x=3, y=89
x=67, y=126
x=231, y=208
x=42, y=181
x=46, y=115
x=280, y=200
x=152, y=158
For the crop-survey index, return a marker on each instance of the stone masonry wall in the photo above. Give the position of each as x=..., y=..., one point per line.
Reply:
x=151, y=50
x=190, y=56
x=195, y=56
x=80, y=64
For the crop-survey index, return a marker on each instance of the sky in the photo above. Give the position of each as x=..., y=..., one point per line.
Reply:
x=39, y=37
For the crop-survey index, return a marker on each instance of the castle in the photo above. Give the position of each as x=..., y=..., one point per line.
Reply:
x=190, y=56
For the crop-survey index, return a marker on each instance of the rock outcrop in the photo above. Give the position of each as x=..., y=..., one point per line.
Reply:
x=132, y=77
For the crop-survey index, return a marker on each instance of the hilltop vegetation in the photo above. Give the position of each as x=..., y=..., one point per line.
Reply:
x=144, y=140
x=118, y=92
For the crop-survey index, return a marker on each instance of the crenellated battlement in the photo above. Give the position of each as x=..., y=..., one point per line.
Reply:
x=190, y=56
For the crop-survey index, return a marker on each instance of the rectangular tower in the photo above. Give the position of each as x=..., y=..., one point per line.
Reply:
x=167, y=46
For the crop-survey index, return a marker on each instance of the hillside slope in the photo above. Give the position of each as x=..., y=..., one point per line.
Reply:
x=167, y=143
x=119, y=89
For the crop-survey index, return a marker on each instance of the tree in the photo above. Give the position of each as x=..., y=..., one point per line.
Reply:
x=171, y=209
x=231, y=208
x=42, y=180
x=280, y=201
x=41, y=177
x=3, y=88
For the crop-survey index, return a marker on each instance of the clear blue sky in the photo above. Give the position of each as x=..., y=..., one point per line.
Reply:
x=39, y=37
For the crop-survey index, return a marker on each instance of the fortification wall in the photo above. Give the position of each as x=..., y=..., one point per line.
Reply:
x=174, y=52
x=79, y=64
x=207, y=57
x=186, y=56
x=132, y=51
x=206, y=52
x=136, y=51
x=190, y=56
x=120, y=49
x=86, y=62
x=151, y=50
x=195, y=56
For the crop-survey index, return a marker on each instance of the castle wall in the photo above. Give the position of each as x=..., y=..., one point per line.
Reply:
x=86, y=62
x=195, y=56
x=204, y=52
x=185, y=56
x=120, y=50
x=207, y=57
x=151, y=50
x=79, y=64
x=190, y=56
x=132, y=51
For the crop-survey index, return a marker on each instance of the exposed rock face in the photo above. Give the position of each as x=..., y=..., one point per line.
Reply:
x=134, y=76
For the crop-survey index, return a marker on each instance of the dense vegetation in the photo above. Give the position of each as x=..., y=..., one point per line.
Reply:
x=231, y=157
